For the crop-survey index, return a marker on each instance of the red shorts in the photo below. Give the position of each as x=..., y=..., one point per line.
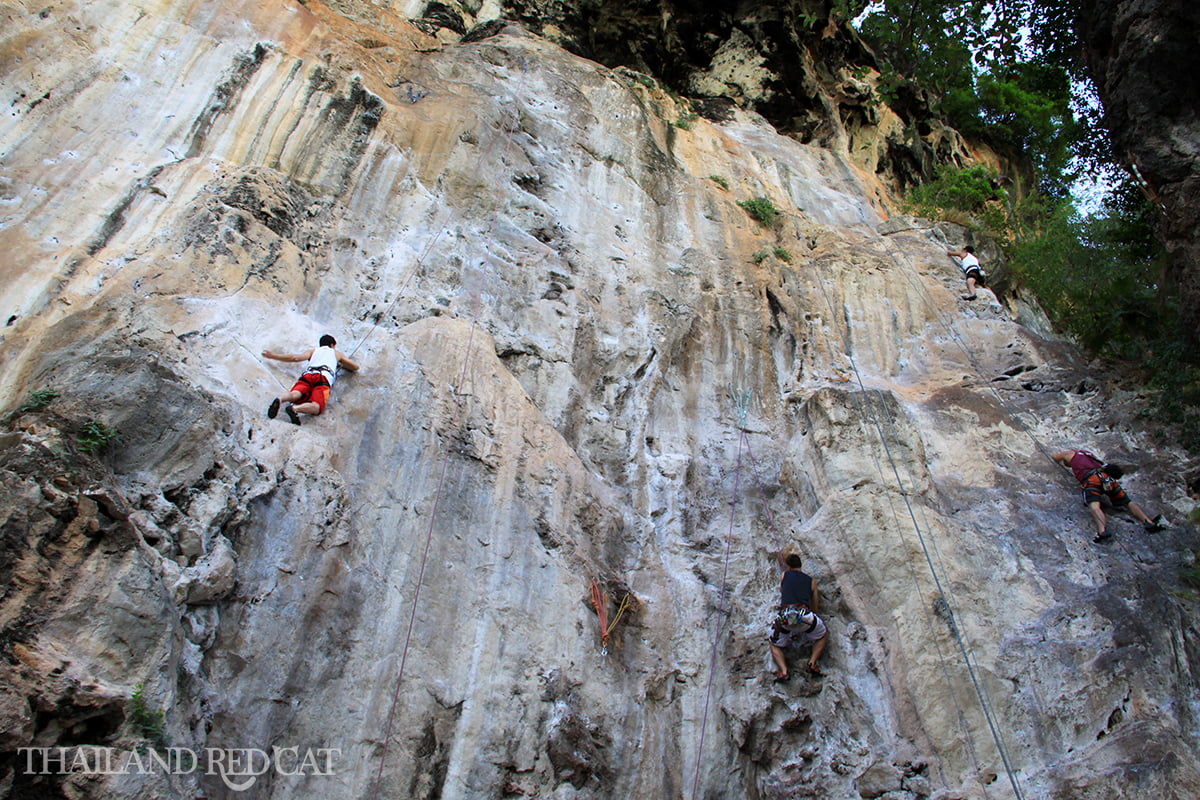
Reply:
x=1094, y=490
x=313, y=387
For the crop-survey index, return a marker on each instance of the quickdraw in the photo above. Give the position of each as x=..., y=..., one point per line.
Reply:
x=600, y=603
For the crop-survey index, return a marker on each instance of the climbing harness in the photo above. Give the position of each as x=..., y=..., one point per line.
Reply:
x=794, y=616
x=975, y=271
x=321, y=368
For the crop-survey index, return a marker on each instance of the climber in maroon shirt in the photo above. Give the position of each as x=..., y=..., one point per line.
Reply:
x=1099, y=480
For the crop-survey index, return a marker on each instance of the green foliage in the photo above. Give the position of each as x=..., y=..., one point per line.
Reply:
x=719, y=181
x=38, y=400
x=94, y=436
x=968, y=189
x=1098, y=277
x=1191, y=575
x=1100, y=280
x=783, y=255
x=761, y=256
x=638, y=77
x=762, y=210
x=1175, y=375
x=974, y=192
x=685, y=121
x=150, y=723
x=994, y=71
x=928, y=41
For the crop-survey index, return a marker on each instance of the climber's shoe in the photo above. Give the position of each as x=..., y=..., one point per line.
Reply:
x=814, y=670
x=783, y=677
x=273, y=409
x=292, y=415
x=970, y=296
x=1155, y=525
x=1102, y=536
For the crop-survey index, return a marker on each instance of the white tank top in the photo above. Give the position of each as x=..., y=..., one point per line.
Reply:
x=324, y=360
x=969, y=261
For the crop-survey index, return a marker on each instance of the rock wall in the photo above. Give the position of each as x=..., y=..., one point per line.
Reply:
x=585, y=367
x=798, y=64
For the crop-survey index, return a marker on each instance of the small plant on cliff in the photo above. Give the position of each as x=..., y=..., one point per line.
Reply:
x=685, y=122
x=1190, y=576
x=94, y=436
x=149, y=722
x=38, y=400
x=974, y=191
x=719, y=181
x=762, y=210
x=783, y=255
x=761, y=256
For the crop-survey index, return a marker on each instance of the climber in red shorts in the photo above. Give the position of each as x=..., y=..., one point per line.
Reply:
x=311, y=390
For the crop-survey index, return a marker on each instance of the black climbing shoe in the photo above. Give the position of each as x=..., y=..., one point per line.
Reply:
x=292, y=415
x=273, y=410
x=783, y=678
x=970, y=296
x=1155, y=525
x=1102, y=536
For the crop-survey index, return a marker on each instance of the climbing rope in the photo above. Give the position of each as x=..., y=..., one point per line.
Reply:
x=722, y=612
x=625, y=604
x=955, y=629
x=600, y=601
x=262, y=363
x=459, y=403
x=765, y=499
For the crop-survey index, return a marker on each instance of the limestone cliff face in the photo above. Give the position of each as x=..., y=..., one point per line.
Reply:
x=583, y=361
x=1134, y=48
x=798, y=64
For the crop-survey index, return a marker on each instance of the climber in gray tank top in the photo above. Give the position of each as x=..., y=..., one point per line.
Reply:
x=795, y=621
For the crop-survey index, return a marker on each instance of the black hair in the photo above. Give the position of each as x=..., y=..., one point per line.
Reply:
x=328, y=341
x=969, y=249
x=793, y=561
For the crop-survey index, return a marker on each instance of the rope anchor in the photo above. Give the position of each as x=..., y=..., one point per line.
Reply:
x=741, y=402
